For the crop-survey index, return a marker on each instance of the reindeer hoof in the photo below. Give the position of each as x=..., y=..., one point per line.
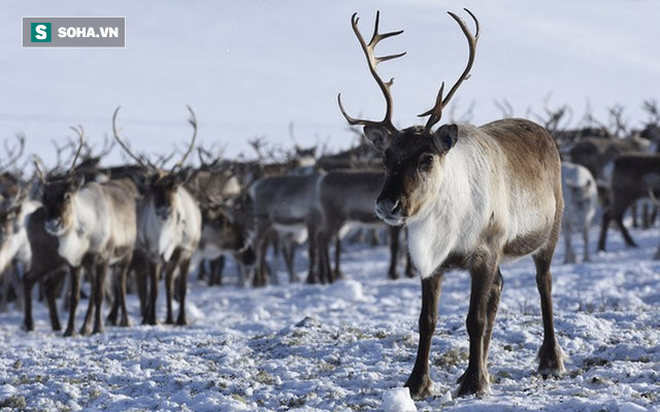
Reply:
x=419, y=388
x=472, y=384
x=550, y=361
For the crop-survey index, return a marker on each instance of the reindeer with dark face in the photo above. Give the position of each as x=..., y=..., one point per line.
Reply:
x=222, y=233
x=94, y=224
x=347, y=198
x=470, y=197
x=169, y=228
x=286, y=207
x=46, y=265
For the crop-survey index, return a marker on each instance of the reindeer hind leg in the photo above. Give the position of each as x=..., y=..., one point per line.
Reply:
x=550, y=354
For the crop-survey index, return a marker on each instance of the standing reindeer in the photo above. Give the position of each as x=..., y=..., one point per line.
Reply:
x=15, y=251
x=46, y=265
x=581, y=200
x=286, y=207
x=169, y=227
x=347, y=198
x=94, y=224
x=470, y=197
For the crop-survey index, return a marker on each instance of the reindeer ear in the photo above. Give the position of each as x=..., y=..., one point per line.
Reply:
x=379, y=137
x=445, y=137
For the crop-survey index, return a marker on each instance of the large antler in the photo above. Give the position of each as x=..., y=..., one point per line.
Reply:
x=139, y=159
x=440, y=102
x=81, y=138
x=193, y=123
x=373, y=61
x=13, y=153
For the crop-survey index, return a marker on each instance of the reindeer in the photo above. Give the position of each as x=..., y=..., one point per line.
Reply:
x=286, y=206
x=581, y=199
x=94, y=224
x=214, y=184
x=46, y=265
x=634, y=176
x=222, y=233
x=470, y=197
x=15, y=251
x=169, y=227
x=347, y=197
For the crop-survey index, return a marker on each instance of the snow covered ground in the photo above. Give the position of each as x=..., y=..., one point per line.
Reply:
x=249, y=69
x=348, y=346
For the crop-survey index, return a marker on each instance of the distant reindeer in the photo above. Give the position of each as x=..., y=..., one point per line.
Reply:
x=347, y=198
x=15, y=251
x=222, y=233
x=581, y=200
x=471, y=197
x=94, y=224
x=286, y=206
x=46, y=265
x=634, y=176
x=169, y=227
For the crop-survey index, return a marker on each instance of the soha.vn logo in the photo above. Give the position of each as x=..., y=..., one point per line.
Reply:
x=40, y=32
x=74, y=31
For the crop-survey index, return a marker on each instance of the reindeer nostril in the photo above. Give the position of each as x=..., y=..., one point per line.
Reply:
x=396, y=208
x=387, y=208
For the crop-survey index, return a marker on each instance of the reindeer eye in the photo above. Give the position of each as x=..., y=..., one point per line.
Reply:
x=426, y=162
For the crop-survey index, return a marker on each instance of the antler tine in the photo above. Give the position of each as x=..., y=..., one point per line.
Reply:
x=372, y=61
x=440, y=103
x=81, y=137
x=108, y=145
x=193, y=123
x=435, y=112
x=38, y=169
x=139, y=159
x=14, y=153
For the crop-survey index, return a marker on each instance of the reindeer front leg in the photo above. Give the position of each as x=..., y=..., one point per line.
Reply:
x=484, y=298
x=184, y=267
x=98, y=294
x=51, y=284
x=170, y=267
x=419, y=382
x=154, y=269
x=74, y=297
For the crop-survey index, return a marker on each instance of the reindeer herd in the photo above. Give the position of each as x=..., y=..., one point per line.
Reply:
x=463, y=196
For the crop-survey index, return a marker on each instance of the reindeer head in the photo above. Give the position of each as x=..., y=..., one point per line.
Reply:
x=58, y=193
x=414, y=156
x=163, y=188
x=163, y=184
x=57, y=199
x=227, y=232
x=10, y=209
